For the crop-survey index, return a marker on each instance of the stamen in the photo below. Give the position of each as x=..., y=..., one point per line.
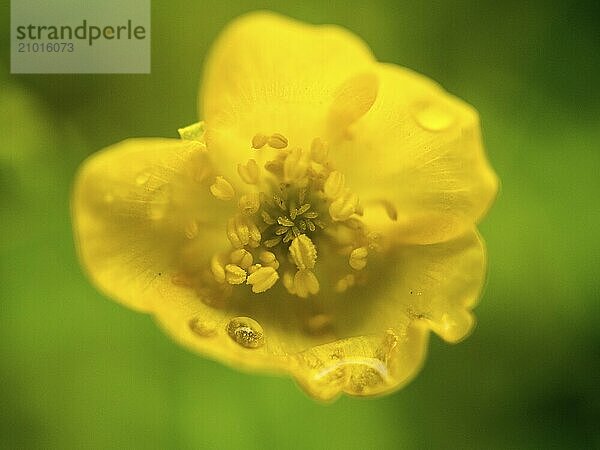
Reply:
x=234, y=274
x=334, y=185
x=305, y=283
x=253, y=268
x=242, y=258
x=255, y=236
x=269, y=259
x=262, y=279
x=249, y=172
x=295, y=165
x=222, y=189
x=242, y=231
x=218, y=269
x=358, y=258
x=318, y=150
x=249, y=203
x=275, y=166
x=277, y=141
x=259, y=141
x=303, y=252
x=342, y=208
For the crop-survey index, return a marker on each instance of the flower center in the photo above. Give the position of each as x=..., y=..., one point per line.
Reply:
x=295, y=213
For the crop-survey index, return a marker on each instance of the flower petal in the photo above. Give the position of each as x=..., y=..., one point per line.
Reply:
x=419, y=287
x=438, y=283
x=269, y=74
x=371, y=341
x=417, y=161
x=138, y=207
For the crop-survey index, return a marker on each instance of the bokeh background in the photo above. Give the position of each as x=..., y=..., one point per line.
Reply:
x=78, y=371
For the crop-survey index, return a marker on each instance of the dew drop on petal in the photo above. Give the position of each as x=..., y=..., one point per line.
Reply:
x=246, y=332
x=203, y=328
x=432, y=116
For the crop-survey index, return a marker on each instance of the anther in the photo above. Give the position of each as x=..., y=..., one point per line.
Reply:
x=343, y=207
x=259, y=141
x=234, y=274
x=218, y=269
x=242, y=258
x=303, y=252
x=242, y=231
x=305, y=283
x=358, y=258
x=249, y=203
x=268, y=259
x=334, y=185
x=249, y=172
x=222, y=189
x=262, y=279
x=253, y=268
x=295, y=165
x=277, y=140
x=318, y=150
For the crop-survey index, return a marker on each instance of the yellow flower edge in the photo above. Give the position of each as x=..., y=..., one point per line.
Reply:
x=380, y=178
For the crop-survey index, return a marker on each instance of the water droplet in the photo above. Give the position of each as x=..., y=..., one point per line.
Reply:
x=203, y=328
x=433, y=116
x=159, y=205
x=246, y=331
x=143, y=177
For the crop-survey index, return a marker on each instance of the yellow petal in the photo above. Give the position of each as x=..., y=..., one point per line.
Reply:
x=369, y=341
x=436, y=283
x=417, y=161
x=138, y=208
x=268, y=75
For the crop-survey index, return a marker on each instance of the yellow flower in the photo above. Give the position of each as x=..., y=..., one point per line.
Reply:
x=318, y=222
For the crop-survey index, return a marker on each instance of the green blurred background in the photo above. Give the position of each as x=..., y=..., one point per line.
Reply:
x=79, y=371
